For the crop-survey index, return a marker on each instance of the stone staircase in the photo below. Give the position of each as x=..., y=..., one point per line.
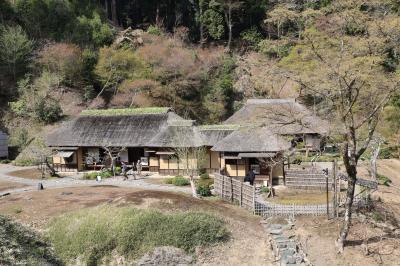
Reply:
x=307, y=178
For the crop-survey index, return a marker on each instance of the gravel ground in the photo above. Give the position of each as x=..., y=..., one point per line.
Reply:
x=76, y=181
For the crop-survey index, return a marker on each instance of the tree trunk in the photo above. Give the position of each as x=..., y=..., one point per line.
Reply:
x=106, y=9
x=229, y=27
x=114, y=16
x=52, y=170
x=374, y=157
x=193, y=186
x=351, y=169
x=201, y=27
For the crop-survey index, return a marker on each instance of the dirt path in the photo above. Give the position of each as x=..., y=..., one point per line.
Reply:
x=7, y=175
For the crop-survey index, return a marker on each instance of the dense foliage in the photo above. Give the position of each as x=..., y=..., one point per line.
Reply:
x=92, y=234
x=201, y=57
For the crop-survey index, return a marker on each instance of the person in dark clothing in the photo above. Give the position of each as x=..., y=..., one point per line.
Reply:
x=124, y=170
x=251, y=176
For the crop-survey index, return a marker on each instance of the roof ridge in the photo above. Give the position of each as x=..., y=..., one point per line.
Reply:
x=270, y=101
x=126, y=111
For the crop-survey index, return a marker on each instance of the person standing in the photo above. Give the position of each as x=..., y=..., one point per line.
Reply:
x=252, y=177
x=124, y=172
x=139, y=167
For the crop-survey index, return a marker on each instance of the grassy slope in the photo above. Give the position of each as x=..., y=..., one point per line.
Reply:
x=19, y=245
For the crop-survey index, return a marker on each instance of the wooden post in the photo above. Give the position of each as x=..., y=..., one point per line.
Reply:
x=231, y=190
x=241, y=194
x=334, y=188
x=222, y=186
x=254, y=199
x=327, y=195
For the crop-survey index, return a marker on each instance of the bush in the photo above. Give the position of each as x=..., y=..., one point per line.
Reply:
x=93, y=234
x=178, y=181
x=384, y=180
x=22, y=246
x=155, y=30
x=64, y=59
x=204, y=176
x=93, y=175
x=275, y=48
x=389, y=152
x=203, y=190
x=48, y=110
x=118, y=170
x=251, y=36
x=91, y=30
x=203, y=186
x=264, y=190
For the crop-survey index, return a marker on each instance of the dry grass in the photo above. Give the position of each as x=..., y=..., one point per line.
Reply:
x=247, y=247
x=295, y=196
x=31, y=173
x=5, y=185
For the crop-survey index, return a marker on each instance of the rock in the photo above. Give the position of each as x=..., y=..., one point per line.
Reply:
x=275, y=226
x=288, y=260
x=167, y=256
x=66, y=193
x=280, y=238
x=287, y=252
x=276, y=232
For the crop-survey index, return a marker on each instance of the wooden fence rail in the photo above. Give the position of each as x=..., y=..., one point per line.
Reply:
x=265, y=209
x=231, y=189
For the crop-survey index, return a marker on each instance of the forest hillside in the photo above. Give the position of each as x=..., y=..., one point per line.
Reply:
x=204, y=58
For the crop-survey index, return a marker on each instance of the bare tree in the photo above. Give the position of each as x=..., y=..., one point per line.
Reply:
x=113, y=153
x=354, y=89
x=191, y=156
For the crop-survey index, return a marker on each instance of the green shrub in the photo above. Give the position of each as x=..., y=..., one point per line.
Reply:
x=203, y=190
x=118, y=170
x=178, y=181
x=251, y=36
x=264, y=190
x=384, y=180
x=22, y=246
x=181, y=181
x=275, y=48
x=95, y=233
x=204, y=186
x=5, y=161
x=48, y=110
x=168, y=181
x=155, y=30
x=93, y=175
x=205, y=176
x=388, y=152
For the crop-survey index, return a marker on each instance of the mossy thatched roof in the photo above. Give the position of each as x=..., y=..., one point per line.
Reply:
x=134, y=129
x=252, y=139
x=125, y=111
x=281, y=116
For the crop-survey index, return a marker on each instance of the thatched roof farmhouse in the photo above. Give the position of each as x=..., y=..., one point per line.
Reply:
x=259, y=129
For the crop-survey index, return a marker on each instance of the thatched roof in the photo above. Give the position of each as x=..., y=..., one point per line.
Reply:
x=128, y=128
x=212, y=134
x=252, y=139
x=174, y=136
x=281, y=116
